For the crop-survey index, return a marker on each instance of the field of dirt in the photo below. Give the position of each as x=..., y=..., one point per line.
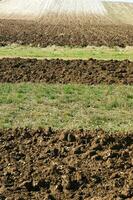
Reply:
x=66, y=71
x=56, y=165
x=61, y=33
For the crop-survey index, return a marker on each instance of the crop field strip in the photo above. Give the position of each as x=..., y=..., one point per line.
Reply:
x=64, y=33
x=90, y=71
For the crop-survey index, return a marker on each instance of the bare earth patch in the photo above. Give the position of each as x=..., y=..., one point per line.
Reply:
x=90, y=71
x=55, y=165
x=61, y=32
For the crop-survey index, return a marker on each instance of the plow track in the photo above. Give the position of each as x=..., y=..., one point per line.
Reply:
x=70, y=32
x=15, y=70
x=85, y=165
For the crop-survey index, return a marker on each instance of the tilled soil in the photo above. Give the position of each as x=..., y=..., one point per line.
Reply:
x=70, y=32
x=66, y=71
x=55, y=165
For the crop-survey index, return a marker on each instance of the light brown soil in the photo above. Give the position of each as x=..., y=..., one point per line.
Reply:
x=55, y=165
x=66, y=71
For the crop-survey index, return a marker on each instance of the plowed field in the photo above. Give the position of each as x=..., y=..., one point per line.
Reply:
x=72, y=33
x=82, y=165
x=66, y=71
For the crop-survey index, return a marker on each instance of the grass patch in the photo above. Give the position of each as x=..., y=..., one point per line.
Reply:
x=54, y=52
x=66, y=106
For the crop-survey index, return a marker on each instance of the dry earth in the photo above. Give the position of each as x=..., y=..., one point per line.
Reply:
x=69, y=32
x=66, y=71
x=56, y=165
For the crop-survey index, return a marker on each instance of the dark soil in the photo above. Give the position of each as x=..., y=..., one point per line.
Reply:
x=72, y=33
x=60, y=71
x=80, y=165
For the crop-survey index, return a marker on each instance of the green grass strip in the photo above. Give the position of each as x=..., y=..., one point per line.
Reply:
x=54, y=52
x=66, y=106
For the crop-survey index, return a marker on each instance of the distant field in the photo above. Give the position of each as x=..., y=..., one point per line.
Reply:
x=120, y=12
x=103, y=11
x=66, y=106
x=103, y=53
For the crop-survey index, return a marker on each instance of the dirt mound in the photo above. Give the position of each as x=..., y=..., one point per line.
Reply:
x=79, y=165
x=61, y=33
x=66, y=71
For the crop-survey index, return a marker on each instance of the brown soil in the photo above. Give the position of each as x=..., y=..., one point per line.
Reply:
x=72, y=33
x=66, y=71
x=79, y=165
